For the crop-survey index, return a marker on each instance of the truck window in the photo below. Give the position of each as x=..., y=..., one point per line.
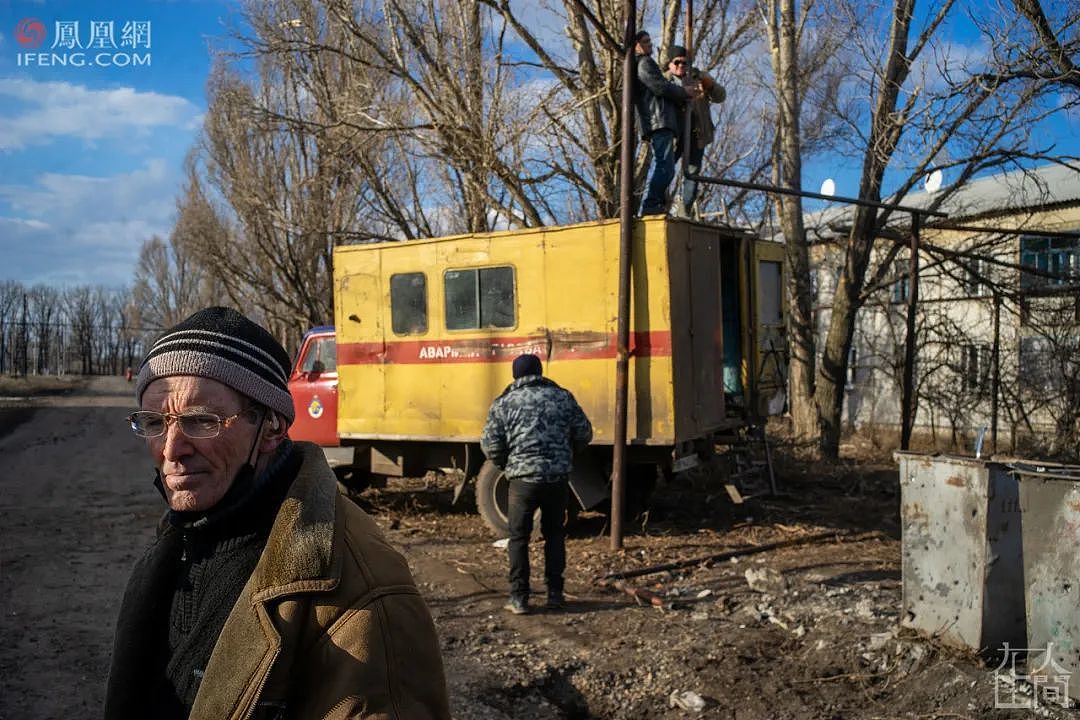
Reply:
x=479, y=298
x=408, y=303
x=324, y=350
x=770, y=293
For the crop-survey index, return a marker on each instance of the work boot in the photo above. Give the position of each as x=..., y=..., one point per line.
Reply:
x=555, y=600
x=518, y=605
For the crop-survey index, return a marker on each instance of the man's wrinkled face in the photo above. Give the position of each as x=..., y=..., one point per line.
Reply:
x=197, y=473
x=678, y=66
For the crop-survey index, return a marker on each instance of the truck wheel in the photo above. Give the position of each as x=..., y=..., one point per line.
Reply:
x=493, y=498
x=355, y=480
x=493, y=502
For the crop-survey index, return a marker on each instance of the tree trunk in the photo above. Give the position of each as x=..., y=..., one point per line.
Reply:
x=833, y=368
x=785, y=59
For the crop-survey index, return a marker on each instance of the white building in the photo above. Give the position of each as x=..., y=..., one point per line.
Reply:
x=973, y=300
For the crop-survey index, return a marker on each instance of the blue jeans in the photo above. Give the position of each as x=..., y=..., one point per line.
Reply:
x=693, y=167
x=524, y=499
x=663, y=170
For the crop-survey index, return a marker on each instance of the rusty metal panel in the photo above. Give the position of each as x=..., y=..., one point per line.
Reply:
x=1050, y=499
x=708, y=331
x=682, y=336
x=696, y=328
x=962, y=557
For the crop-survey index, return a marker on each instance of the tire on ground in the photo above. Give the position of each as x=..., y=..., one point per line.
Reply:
x=493, y=502
x=353, y=480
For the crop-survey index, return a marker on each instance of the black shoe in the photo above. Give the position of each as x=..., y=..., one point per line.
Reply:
x=517, y=605
x=555, y=601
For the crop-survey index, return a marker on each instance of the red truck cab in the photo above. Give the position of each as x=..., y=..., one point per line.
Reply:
x=314, y=388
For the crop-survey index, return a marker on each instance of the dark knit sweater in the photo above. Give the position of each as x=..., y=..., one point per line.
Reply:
x=211, y=560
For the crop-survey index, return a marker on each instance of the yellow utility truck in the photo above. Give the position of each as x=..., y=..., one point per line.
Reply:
x=426, y=330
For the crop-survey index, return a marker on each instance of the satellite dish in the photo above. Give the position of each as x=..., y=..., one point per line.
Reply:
x=932, y=183
x=828, y=187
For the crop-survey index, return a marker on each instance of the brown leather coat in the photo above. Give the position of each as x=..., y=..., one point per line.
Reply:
x=329, y=625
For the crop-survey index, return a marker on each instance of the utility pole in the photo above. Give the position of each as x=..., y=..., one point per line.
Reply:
x=907, y=400
x=626, y=247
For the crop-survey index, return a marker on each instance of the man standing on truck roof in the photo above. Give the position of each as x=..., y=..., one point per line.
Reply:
x=266, y=594
x=659, y=104
x=532, y=431
x=702, y=129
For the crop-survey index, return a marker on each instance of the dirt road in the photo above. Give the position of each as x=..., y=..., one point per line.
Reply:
x=76, y=508
x=809, y=631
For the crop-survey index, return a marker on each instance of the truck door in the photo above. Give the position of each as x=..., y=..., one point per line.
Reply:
x=769, y=327
x=314, y=388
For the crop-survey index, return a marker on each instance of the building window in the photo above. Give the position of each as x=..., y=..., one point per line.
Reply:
x=975, y=367
x=901, y=288
x=975, y=278
x=480, y=298
x=408, y=304
x=1034, y=364
x=1056, y=260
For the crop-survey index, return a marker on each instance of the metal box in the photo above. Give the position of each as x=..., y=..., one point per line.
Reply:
x=962, y=552
x=1050, y=498
x=557, y=297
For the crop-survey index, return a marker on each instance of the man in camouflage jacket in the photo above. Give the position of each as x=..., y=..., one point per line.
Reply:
x=532, y=431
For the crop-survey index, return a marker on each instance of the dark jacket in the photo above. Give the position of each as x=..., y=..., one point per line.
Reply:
x=329, y=625
x=702, y=128
x=534, y=427
x=658, y=101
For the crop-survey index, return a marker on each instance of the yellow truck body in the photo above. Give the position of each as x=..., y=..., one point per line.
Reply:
x=427, y=329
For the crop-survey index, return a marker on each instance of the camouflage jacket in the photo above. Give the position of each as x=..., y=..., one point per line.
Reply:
x=534, y=427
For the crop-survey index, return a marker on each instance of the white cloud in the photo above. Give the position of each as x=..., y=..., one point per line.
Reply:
x=82, y=228
x=25, y=223
x=45, y=111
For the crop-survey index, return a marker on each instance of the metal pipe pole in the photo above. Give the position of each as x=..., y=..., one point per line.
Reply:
x=995, y=381
x=688, y=38
x=626, y=246
x=908, y=395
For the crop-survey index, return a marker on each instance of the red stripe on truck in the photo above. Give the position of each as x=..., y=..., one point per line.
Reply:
x=557, y=346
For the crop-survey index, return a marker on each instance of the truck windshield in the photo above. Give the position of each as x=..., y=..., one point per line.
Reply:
x=325, y=351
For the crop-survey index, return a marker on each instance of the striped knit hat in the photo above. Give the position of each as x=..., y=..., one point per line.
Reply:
x=221, y=344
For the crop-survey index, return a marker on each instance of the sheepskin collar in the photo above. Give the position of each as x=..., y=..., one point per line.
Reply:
x=299, y=548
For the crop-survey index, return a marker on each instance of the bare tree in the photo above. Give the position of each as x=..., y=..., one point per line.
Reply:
x=169, y=283
x=44, y=302
x=966, y=117
x=11, y=293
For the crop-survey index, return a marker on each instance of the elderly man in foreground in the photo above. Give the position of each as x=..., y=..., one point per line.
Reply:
x=266, y=594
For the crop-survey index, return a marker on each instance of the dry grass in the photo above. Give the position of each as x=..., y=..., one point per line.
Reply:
x=38, y=385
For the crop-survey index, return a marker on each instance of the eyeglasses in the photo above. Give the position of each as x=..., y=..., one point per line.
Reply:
x=678, y=62
x=197, y=426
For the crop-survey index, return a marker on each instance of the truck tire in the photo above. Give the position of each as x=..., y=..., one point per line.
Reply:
x=355, y=480
x=492, y=498
x=493, y=501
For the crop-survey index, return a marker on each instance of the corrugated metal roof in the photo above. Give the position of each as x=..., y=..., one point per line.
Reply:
x=1013, y=190
x=1000, y=193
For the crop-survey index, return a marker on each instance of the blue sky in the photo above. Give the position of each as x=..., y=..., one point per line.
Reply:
x=91, y=157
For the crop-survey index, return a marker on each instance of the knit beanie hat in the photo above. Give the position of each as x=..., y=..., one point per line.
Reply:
x=675, y=51
x=526, y=365
x=221, y=344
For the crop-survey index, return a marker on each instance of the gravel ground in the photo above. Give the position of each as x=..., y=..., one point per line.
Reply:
x=809, y=630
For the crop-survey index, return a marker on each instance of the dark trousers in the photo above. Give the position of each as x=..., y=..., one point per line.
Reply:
x=525, y=498
x=693, y=167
